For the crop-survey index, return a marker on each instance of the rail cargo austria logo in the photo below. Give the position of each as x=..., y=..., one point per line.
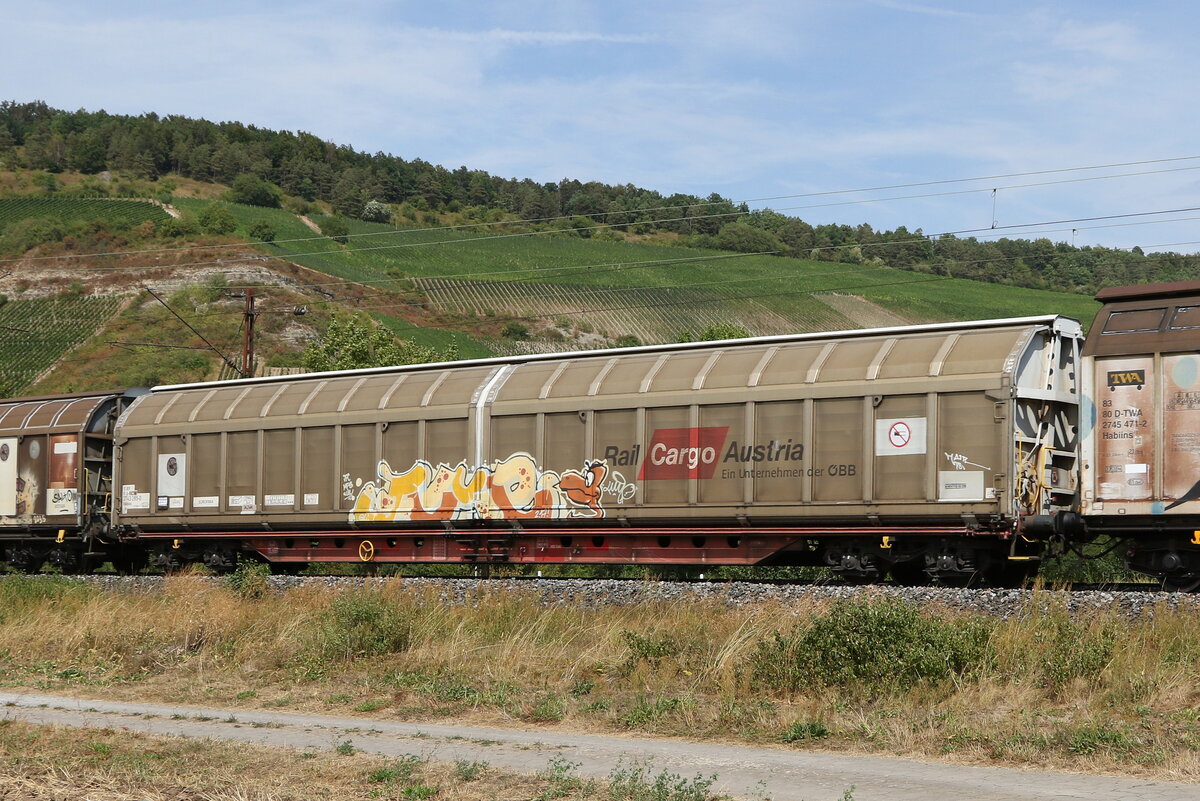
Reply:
x=683, y=453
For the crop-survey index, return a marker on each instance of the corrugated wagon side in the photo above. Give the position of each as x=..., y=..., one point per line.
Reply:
x=922, y=449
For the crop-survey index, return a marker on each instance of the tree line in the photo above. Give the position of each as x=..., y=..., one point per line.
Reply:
x=265, y=167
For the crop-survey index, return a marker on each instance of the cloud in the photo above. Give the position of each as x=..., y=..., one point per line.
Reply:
x=921, y=8
x=1108, y=40
x=535, y=37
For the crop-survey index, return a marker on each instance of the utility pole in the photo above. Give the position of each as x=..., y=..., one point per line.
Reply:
x=249, y=316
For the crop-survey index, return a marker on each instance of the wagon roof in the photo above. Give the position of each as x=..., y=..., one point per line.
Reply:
x=1066, y=325
x=50, y=414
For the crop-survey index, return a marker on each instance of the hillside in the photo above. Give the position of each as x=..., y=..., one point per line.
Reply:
x=481, y=289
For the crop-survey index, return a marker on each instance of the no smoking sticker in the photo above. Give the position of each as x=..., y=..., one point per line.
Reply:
x=899, y=434
x=900, y=437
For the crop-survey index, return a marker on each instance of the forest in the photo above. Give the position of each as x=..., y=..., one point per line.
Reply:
x=272, y=168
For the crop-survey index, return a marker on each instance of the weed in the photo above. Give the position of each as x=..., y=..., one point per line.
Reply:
x=344, y=748
x=648, y=647
x=367, y=706
x=1090, y=738
x=646, y=710
x=581, y=688
x=805, y=730
x=547, y=708
x=468, y=770
x=359, y=624
x=402, y=771
x=638, y=783
x=339, y=698
x=249, y=580
x=246, y=694
x=560, y=778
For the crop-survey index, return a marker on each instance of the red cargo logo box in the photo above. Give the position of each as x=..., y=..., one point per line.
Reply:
x=683, y=453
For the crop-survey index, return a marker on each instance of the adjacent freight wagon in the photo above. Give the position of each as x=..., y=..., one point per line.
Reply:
x=56, y=456
x=945, y=450
x=1141, y=454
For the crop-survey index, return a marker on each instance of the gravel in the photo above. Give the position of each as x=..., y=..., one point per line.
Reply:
x=596, y=593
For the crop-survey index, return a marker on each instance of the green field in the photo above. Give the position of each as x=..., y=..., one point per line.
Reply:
x=34, y=334
x=120, y=213
x=651, y=291
x=437, y=338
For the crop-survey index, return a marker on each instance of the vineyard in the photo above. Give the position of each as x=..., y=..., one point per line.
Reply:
x=650, y=291
x=34, y=334
x=659, y=314
x=116, y=213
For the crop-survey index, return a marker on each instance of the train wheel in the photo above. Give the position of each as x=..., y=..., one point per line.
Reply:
x=1180, y=583
x=68, y=559
x=26, y=558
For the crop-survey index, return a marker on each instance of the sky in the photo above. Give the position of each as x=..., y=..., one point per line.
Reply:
x=750, y=99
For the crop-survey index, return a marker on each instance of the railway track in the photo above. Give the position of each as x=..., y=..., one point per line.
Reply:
x=1128, y=600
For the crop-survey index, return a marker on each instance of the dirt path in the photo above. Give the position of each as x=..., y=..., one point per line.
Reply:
x=777, y=774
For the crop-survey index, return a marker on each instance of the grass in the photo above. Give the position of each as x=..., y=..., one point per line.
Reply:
x=1043, y=690
x=62, y=762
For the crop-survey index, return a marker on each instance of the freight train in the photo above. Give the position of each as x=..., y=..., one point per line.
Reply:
x=957, y=452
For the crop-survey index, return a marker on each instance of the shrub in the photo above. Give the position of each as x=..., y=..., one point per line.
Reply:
x=363, y=624
x=249, y=580
x=262, y=231
x=185, y=225
x=335, y=229
x=514, y=330
x=251, y=190
x=218, y=219
x=375, y=211
x=875, y=646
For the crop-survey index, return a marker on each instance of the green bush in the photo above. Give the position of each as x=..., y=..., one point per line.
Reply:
x=514, y=330
x=873, y=645
x=218, y=219
x=184, y=225
x=363, y=624
x=1069, y=650
x=251, y=190
x=262, y=231
x=805, y=730
x=335, y=229
x=249, y=580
